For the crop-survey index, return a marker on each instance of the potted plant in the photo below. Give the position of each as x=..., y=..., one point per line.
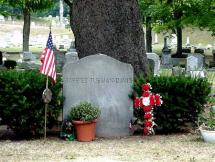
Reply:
x=212, y=102
x=207, y=126
x=84, y=117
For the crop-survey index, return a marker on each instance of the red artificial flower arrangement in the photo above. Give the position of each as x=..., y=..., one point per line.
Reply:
x=146, y=102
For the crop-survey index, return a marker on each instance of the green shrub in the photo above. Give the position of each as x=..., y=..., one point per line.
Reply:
x=21, y=103
x=183, y=99
x=84, y=111
x=10, y=64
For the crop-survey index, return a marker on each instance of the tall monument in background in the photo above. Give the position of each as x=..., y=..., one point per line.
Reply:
x=61, y=13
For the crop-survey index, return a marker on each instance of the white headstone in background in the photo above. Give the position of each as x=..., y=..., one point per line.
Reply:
x=33, y=25
x=2, y=19
x=173, y=40
x=71, y=56
x=195, y=62
x=156, y=59
x=26, y=56
x=188, y=41
x=156, y=38
x=9, y=18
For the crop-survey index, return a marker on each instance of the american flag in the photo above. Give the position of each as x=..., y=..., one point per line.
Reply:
x=48, y=60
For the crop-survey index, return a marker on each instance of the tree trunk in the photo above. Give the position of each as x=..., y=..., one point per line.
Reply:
x=110, y=27
x=148, y=34
x=70, y=4
x=26, y=29
x=179, y=41
x=177, y=16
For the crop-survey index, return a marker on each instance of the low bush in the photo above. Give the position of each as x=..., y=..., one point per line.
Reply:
x=22, y=107
x=183, y=99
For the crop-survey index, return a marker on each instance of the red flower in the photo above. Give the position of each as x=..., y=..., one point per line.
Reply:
x=152, y=100
x=147, y=123
x=147, y=108
x=146, y=131
x=157, y=100
x=146, y=87
x=136, y=102
x=146, y=94
x=147, y=116
x=141, y=102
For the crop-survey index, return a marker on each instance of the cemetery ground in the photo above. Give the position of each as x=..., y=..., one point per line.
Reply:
x=168, y=148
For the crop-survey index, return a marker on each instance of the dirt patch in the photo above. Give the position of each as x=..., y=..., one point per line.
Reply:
x=169, y=148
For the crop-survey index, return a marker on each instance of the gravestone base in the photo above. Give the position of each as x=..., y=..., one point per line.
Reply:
x=212, y=64
x=197, y=73
x=166, y=59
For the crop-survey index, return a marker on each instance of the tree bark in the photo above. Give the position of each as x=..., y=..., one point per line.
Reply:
x=70, y=4
x=179, y=41
x=111, y=27
x=177, y=15
x=26, y=29
x=148, y=34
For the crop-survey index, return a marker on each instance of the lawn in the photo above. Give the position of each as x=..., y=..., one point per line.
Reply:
x=168, y=148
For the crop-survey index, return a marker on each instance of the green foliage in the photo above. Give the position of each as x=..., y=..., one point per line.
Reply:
x=207, y=121
x=183, y=99
x=10, y=64
x=85, y=112
x=11, y=8
x=211, y=100
x=30, y=5
x=167, y=15
x=21, y=103
x=54, y=11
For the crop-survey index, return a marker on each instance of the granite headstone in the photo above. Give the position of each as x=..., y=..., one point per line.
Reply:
x=156, y=60
x=195, y=62
x=26, y=56
x=105, y=82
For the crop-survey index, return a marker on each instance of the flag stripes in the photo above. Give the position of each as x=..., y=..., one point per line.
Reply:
x=48, y=60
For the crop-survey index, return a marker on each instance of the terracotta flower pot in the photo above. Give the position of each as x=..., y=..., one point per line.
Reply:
x=85, y=131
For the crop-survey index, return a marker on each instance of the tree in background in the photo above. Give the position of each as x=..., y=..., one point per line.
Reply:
x=146, y=11
x=110, y=27
x=54, y=11
x=27, y=7
x=70, y=5
x=174, y=15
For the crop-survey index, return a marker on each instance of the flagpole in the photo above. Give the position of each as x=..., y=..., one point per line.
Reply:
x=46, y=104
x=46, y=107
x=47, y=69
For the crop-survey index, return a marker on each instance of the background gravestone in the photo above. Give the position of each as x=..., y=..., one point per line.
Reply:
x=155, y=64
x=212, y=63
x=105, y=82
x=71, y=55
x=195, y=62
x=166, y=54
x=26, y=56
x=195, y=65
